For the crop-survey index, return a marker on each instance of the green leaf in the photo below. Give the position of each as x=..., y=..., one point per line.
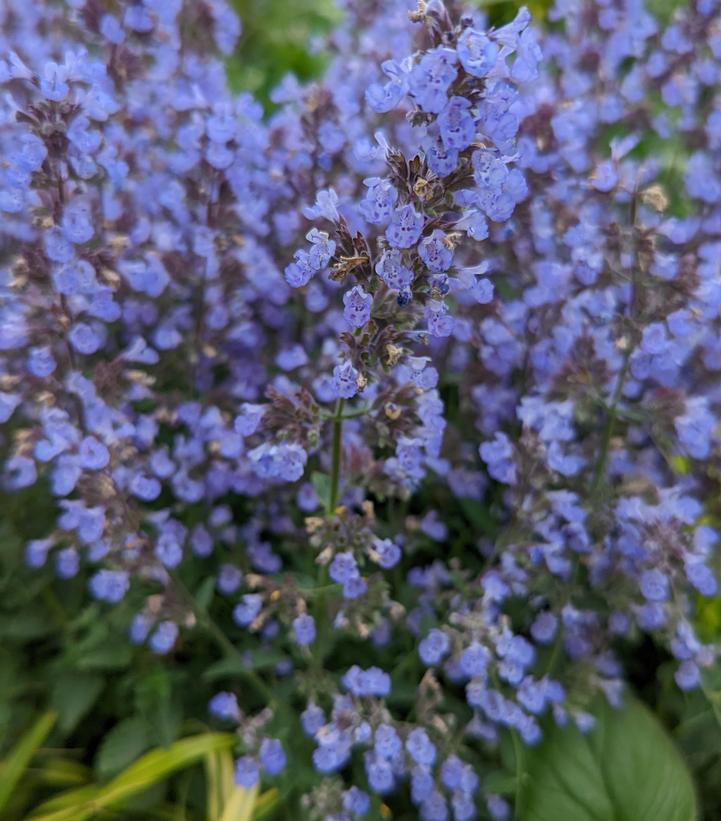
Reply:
x=27, y=626
x=257, y=660
x=114, y=653
x=204, y=593
x=73, y=695
x=321, y=485
x=265, y=804
x=13, y=767
x=479, y=516
x=626, y=769
x=155, y=701
x=123, y=744
x=500, y=782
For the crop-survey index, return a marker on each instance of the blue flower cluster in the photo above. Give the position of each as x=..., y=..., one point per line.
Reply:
x=261, y=344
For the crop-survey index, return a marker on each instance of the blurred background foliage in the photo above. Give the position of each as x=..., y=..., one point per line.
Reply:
x=92, y=727
x=279, y=37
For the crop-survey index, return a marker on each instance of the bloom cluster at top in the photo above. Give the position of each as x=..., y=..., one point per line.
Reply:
x=455, y=269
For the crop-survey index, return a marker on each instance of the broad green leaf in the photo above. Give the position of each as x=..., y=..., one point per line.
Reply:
x=149, y=769
x=240, y=805
x=626, y=769
x=122, y=745
x=13, y=767
x=73, y=695
x=500, y=782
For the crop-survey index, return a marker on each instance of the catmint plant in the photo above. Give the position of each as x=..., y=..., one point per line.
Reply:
x=290, y=349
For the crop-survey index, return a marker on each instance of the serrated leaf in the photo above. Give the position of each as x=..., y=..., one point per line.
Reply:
x=15, y=764
x=122, y=745
x=155, y=702
x=257, y=660
x=73, y=694
x=626, y=769
x=114, y=655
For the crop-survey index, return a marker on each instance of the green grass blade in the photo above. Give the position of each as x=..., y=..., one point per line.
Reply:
x=158, y=764
x=149, y=769
x=13, y=767
x=212, y=781
x=265, y=804
x=60, y=773
x=227, y=776
x=220, y=782
x=241, y=804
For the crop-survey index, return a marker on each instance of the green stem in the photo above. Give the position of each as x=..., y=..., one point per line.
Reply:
x=322, y=587
x=352, y=414
x=592, y=491
x=229, y=650
x=608, y=432
x=335, y=457
x=520, y=774
x=633, y=310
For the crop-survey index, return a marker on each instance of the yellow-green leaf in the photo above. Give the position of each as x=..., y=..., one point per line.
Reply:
x=13, y=767
x=61, y=772
x=220, y=782
x=149, y=769
x=213, y=804
x=241, y=804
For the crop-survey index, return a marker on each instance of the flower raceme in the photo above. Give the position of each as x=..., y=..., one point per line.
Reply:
x=283, y=346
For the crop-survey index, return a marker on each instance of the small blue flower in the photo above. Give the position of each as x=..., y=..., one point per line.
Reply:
x=247, y=609
x=163, y=637
x=272, y=756
x=224, y=705
x=109, y=585
x=434, y=647
x=357, y=307
x=304, y=629
x=247, y=772
x=405, y=227
x=476, y=52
